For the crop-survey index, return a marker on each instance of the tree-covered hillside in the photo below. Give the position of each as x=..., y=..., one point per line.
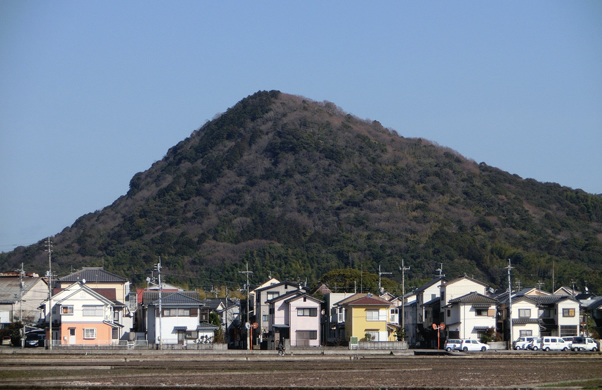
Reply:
x=298, y=188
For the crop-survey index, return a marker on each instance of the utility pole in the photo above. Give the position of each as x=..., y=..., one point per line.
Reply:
x=149, y=280
x=22, y=331
x=403, y=270
x=247, y=325
x=160, y=304
x=49, y=249
x=510, y=299
x=379, y=275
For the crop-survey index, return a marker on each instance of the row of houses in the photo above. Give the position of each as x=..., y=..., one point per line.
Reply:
x=96, y=307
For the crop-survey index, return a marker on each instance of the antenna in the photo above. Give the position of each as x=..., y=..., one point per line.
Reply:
x=380, y=291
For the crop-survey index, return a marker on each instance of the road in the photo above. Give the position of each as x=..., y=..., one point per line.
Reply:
x=345, y=371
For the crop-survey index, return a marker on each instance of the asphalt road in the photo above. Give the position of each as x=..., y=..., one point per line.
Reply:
x=154, y=369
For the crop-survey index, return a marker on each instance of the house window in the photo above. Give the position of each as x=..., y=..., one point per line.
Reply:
x=307, y=334
x=376, y=315
x=93, y=311
x=568, y=312
x=568, y=330
x=448, y=313
x=176, y=312
x=67, y=310
x=192, y=334
x=524, y=313
x=545, y=313
x=89, y=333
x=526, y=333
x=272, y=295
x=264, y=318
x=307, y=312
x=481, y=312
x=372, y=335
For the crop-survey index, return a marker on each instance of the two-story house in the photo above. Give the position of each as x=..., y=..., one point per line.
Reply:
x=367, y=318
x=262, y=308
x=111, y=286
x=294, y=319
x=21, y=301
x=470, y=316
x=178, y=322
x=82, y=316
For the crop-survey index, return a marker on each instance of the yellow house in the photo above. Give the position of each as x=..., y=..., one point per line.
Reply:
x=367, y=316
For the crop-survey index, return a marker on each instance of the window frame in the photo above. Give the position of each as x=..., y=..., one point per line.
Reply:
x=521, y=313
x=69, y=312
x=568, y=312
x=93, y=311
x=88, y=336
x=307, y=312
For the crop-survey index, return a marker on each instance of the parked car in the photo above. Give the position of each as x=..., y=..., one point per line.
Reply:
x=584, y=344
x=522, y=342
x=6, y=340
x=452, y=345
x=473, y=345
x=568, y=341
x=553, y=344
x=35, y=339
x=535, y=344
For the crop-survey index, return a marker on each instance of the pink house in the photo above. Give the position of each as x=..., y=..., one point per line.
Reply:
x=295, y=317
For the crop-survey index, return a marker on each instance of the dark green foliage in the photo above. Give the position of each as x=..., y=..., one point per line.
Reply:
x=304, y=192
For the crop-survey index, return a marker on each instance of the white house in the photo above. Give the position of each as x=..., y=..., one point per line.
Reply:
x=469, y=316
x=179, y=323
x=21, y=302
x=82, y=316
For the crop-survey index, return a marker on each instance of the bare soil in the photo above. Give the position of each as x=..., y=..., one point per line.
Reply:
x=317, y=371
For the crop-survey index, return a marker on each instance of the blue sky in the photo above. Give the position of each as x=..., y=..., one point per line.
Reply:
x=92, y=92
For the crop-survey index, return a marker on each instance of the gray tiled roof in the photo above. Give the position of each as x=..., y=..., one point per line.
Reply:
x=178, y=299
x=93, y=275
x=473, y=297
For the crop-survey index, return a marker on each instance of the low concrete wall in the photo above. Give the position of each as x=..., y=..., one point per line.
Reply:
x=383, y=345
x=497, y=345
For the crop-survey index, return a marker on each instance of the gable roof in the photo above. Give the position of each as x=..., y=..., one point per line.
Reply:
x=369, y=300
x=296, y=285
x=93, y=275
x=474, y=297
x=10, y=287
x=75, y=288
x=178, y=299
x=429, y=284
x=149, y=297
x=465, y=277
x=351, y=298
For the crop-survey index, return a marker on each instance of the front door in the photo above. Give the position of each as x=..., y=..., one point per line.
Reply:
x=71, y=336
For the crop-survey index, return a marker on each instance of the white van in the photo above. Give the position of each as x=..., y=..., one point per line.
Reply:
x=553, y=344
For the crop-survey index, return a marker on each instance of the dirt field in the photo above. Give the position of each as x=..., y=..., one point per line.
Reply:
x=317, y=371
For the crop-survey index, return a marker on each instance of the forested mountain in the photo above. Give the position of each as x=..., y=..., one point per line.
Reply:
x=298, y=188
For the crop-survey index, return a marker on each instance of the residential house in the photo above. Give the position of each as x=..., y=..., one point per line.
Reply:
x=469, y=316
x=367, y=317
x=410, y=320
x=427, y=312
x=261, y=308
x=21, y=303
x=176, y=319
x=82, y=316
x=228, y=311
x=111, y=286
x=333, y=329
x=294, y=319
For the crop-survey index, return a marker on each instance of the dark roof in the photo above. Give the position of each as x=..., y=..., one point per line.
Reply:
x=369, y=300
x=153, y=296
x=93, y=275
x=432, y=302
x=178, y=299
x=286, y=296
x=429, y=284
x=474, y=297
x=296, y=285
x=213, y=303
x=522, y=321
